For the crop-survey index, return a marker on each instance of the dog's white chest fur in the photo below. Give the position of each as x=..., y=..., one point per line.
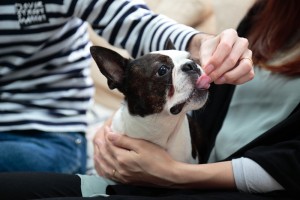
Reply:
x=169, y=132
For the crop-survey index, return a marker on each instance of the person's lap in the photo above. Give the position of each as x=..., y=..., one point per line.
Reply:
x=43, y=152
x=36, y=185
x=57, y=186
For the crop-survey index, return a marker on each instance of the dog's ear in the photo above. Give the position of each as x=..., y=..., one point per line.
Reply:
x=112, y=66
x=169, y=45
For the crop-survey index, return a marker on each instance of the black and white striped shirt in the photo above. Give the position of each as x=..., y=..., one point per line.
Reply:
x=44, y=55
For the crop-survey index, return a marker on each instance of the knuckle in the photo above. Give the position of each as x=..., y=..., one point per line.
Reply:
x=226, y=46
x=214, y=76
x=231, y=31
x=231, y=61
x=251, y=75
x=244, y=41
x=249, y=67
x=250, y=52
x=122, y=161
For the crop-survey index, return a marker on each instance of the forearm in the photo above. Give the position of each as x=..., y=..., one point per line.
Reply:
x=204, y=176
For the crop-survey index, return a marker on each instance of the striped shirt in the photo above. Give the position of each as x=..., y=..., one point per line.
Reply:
x=44, y=55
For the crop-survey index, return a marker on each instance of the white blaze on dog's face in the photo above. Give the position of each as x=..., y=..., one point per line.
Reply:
x=183, y=95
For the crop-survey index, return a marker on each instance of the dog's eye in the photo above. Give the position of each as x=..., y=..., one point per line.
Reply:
x=162, y=70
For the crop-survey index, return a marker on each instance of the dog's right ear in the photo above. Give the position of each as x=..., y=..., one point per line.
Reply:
x=112, y=66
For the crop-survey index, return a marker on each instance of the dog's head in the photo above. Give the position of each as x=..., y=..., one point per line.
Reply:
x=161, y=81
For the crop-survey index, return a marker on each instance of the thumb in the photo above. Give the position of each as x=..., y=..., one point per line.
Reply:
x=122, y=141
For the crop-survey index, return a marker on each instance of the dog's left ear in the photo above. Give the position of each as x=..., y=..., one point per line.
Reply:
x=112, y=66
x=169, y=45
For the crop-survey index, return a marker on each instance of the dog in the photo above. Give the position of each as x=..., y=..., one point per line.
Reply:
x=160, y=88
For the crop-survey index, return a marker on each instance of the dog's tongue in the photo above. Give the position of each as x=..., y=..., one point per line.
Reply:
x=203, y=82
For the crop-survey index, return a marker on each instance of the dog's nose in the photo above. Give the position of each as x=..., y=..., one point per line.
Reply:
x=191, y=67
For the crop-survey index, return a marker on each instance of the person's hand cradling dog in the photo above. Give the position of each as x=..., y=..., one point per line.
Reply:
x=132, y=161
x=139, y=162
x=225, y=57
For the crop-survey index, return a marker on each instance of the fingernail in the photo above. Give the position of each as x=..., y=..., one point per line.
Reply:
x=208, y=68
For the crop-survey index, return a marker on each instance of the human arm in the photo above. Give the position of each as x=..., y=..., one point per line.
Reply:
x=134, y=161
x=270, y=160
x=135, y=164
x=130, y=25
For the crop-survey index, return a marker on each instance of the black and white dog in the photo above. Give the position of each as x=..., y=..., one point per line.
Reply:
x=159, y=88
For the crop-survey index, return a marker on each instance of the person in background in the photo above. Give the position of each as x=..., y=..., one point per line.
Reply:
x=45, y=84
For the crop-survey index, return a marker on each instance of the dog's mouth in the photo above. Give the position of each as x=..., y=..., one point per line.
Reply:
x=196, y=93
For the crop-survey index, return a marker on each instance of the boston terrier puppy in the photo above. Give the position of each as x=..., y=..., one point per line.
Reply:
x=160, y=88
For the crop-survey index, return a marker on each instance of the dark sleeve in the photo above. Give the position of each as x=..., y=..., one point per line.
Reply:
x=281, y=161
x=278, y=152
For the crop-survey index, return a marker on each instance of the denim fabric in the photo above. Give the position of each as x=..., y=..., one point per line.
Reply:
x=44, y=152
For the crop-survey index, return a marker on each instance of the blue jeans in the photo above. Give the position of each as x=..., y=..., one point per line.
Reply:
x=43, y=152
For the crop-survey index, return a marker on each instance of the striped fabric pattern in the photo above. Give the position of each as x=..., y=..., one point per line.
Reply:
x=44, y=55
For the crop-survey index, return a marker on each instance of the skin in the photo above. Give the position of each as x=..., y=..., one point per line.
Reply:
x=143, y=163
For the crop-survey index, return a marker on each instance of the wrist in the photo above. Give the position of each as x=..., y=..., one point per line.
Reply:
x=177, y=175
x=203, y=176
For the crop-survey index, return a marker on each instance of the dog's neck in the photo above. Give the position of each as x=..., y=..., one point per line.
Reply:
x=156, y=128
x=164, y=130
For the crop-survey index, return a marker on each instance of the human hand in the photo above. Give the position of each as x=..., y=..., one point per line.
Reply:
x=225, y=57
x=133, y=161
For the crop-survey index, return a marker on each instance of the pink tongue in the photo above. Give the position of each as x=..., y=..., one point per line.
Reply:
x=203, y=82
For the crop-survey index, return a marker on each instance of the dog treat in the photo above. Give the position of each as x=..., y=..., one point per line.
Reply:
x=203, y=82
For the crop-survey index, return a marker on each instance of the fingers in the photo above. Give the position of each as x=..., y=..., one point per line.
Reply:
x=124, y=142
x=226, y=42
x=112, y=154
x=207, y=49
x=215, y=50
x=102, y=160
x=230, y=61
x=221, y=58
x=243, y=72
